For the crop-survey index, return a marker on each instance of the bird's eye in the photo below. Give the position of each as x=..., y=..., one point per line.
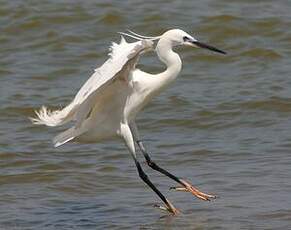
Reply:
x=185, y=39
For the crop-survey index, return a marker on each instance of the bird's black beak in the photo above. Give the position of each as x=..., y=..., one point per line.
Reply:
x=205, y=46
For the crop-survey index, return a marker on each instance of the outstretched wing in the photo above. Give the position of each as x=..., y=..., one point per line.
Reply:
x=121, y=54
x=123, y=57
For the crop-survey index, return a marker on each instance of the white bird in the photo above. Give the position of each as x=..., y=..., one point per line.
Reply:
x=107, y=104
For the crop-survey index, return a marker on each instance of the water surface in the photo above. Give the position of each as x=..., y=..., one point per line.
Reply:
x=224, y=124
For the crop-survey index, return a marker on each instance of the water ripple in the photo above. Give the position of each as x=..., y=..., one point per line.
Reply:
x=224, y=125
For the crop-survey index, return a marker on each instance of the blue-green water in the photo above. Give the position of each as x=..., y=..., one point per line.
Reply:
x=224, y=125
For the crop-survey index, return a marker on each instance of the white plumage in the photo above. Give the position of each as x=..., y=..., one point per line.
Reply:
x=107, y=104
x=123, y=57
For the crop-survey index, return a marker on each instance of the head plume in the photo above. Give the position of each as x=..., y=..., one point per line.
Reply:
x=138, y=36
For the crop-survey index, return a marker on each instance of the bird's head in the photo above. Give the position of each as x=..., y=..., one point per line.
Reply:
x=174, y=37
x=178, y=37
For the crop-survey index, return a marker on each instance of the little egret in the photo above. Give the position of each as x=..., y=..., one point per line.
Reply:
x=108, y=103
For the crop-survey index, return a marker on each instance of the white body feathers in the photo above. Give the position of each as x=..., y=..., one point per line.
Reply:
x=114, y=94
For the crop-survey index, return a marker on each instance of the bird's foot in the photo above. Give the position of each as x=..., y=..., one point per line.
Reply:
x=169, y=208
x=189, y=188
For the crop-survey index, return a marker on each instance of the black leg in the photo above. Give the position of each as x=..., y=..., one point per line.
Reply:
x=145, y=178
x=129, y=141
x=186, y=186
x=154, y=166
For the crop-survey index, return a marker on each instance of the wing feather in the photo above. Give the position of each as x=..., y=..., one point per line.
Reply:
x=121, y=56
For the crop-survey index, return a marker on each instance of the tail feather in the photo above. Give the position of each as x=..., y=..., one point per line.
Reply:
x=64, y=137
x=53, y=118
x=59, y=117
x=67, y=136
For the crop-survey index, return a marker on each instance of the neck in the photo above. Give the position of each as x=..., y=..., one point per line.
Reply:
x=172, y=61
